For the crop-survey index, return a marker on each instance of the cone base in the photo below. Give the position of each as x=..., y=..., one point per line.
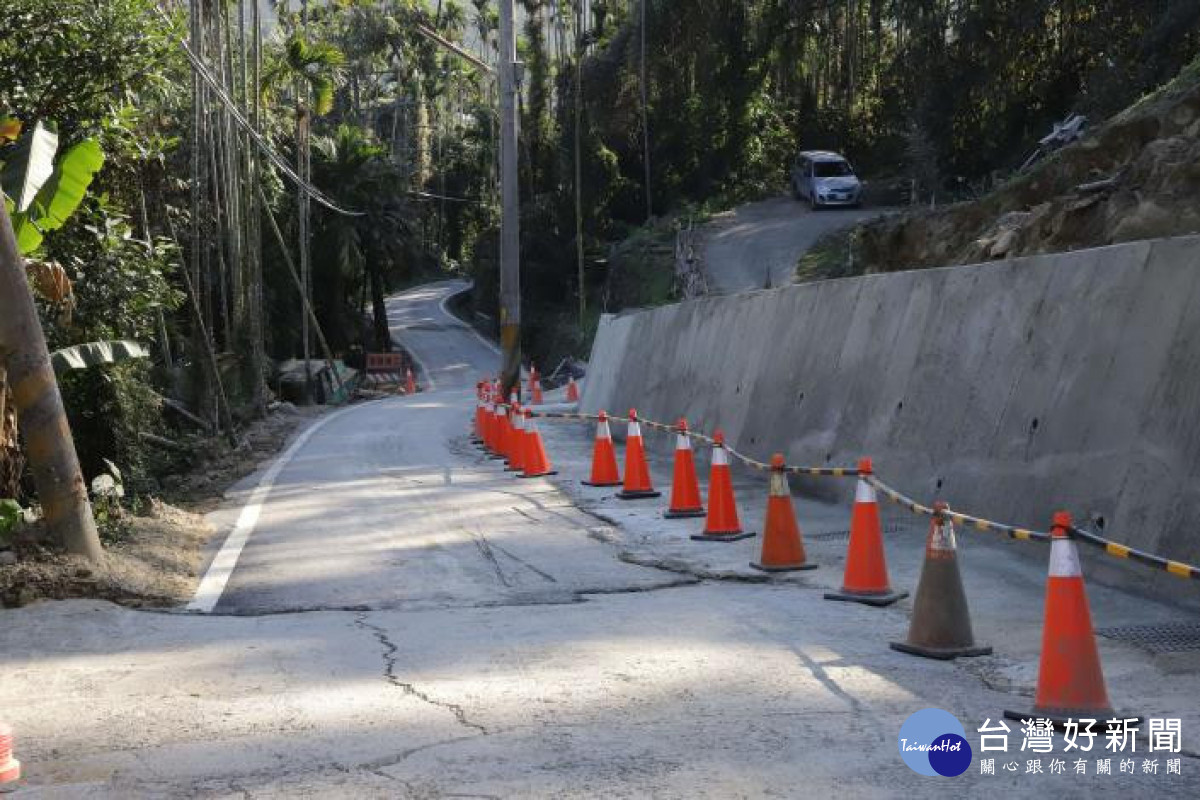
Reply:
x=782, y=568
x=685, y=513
x=513, y=469
x=1058, y=717
x=538, y=474
x=497, y=457
x=940, y=653
x=883, y=599
x=723, y=537
x=601, y=485
x=637, y=494
x=9, y=773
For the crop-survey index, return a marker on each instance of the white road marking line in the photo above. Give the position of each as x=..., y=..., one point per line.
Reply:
x=212, y=585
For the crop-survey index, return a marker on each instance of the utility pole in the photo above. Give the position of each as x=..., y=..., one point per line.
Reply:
x=510, y=206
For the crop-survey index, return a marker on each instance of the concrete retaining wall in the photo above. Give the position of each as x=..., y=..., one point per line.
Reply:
x=1009, y=389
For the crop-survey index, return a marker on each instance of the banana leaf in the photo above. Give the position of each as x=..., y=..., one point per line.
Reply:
x=59, y=196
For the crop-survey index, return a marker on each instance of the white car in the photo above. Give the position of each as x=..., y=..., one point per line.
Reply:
x=825, y=179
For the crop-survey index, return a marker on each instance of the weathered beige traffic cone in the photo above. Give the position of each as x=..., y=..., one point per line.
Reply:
x=941, y=622
x=10, y=768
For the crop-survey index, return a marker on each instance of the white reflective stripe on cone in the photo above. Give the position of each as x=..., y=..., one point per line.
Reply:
x=634, y=430
x=864, y=493
x=719, y=457
x=778, y=485
x=943, y=537
x=602, y=431
x=681, y=442
x=518, y=422
x=1064, y=561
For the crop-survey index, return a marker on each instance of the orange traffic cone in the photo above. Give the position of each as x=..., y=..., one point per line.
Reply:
x=685, y=489
x=637, y=471
x=941, y=623
x=490, y=425
x=480, y=405
x=1070, y=682
x=537, y=463
x=866, y=577
x=604, y=457
x=410, y=383
x=572, y=391
x=783, y=545
x=516, y=450
x=499, y=429
x=533, y=376
x=535, y=391
x=721, y=524
x=10, y=768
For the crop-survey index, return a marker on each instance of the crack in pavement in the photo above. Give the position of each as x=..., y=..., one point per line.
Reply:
x=389, y=659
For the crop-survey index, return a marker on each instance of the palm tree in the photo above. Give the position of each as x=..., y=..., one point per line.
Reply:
x=372, y=245
x=310, y=70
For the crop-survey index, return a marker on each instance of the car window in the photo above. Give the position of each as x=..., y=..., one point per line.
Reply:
x=831, y=169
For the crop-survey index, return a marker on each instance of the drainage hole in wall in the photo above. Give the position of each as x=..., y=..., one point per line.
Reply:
x=1033, y=426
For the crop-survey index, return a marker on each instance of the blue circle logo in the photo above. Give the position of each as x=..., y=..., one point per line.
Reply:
x=933, y=742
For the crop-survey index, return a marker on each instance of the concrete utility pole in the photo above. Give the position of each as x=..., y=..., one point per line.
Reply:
x=510, y=202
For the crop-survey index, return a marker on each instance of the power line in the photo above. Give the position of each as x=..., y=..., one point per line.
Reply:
x=202, y=70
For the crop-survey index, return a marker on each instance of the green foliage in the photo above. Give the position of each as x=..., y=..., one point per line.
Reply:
x=11, y=515
x=68, y=60
x=317, y=65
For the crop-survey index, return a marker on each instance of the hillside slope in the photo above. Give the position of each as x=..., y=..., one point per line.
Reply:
x=1136, y=176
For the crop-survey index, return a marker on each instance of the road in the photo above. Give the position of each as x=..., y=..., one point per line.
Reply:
x=405, y=620
x=758, y=244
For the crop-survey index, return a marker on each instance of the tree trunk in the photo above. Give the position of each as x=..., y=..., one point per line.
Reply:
x=383, y=333
x=39, y=407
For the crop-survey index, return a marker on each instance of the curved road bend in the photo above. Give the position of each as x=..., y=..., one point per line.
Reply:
x=386, y=505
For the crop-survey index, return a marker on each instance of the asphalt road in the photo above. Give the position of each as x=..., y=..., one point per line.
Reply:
x=407, y=621
x=757, y=245
x=385, y=506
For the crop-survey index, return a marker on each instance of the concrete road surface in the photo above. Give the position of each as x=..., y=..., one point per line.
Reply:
x=405, y=620
x=758, y=244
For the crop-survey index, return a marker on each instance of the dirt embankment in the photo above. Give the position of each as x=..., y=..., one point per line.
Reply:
x=153, y=558
x=1137, y=176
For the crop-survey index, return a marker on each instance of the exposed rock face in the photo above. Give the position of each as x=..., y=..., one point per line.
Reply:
x=1135, y=177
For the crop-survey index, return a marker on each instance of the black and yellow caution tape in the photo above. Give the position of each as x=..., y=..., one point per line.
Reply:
x=966, y=520
x=1117, y=550
x=1177, y=568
